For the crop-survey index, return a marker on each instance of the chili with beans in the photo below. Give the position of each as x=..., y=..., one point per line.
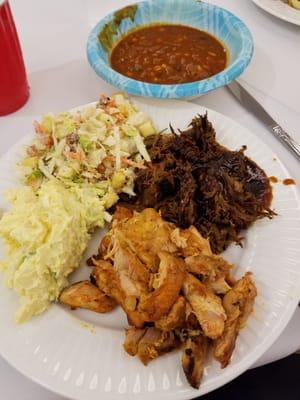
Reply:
x=168, y=54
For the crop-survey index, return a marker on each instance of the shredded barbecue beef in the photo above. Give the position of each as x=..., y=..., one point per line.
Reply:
x=193, y=180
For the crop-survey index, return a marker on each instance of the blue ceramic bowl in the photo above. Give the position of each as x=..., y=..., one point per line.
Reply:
x=207, y=17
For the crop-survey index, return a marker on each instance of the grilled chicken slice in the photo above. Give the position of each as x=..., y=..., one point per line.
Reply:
x=191, y=320
x=190, y=242
x=133, y=274
x=86, y=295
x=214, y=271
x=132, y=338
x=238, y=304
x=167, y=287
x=154, y=343
x=106, y=246
x=146, y=234
x=247, y=287
x=219, y=285
x=206, y=305
x=176, y=317
x=208, y=266
x=193, y=359
x=108, y=281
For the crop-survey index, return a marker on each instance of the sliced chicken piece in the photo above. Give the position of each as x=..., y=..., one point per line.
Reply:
x=132, y=338
x=154, y=343
x=108, y=281
x=209, y=266
x=86, y=295
x=247, y=287
x=191, y=320
x=193, y=359
x=146, y=234
x=134, y=318
x=206, y=306
x=238, y=304
x=171, y=275
x=134, y=276
x=213, y=269
x=105, y=249
x=219, y=286
x=175, y=318
x=106, y=246
x=178, y=238
x=224, y=345
x=191, y=243
x=191, y=327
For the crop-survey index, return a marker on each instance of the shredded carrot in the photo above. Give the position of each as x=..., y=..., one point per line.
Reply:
x=78, y=155
x=47, y=141
x=44, y=137
x=133, y=163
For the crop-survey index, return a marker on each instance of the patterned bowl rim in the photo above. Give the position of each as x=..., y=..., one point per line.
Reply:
x=139, y=88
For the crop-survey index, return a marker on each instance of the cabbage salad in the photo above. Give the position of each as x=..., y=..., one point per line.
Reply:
x=73, y=172
x=98, y=147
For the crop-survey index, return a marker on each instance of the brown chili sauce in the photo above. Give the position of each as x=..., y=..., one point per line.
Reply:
x=288, y=181
x=168, y=54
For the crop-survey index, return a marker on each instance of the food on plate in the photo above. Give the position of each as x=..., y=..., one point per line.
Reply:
x=168, y=54
x=206, y=305
x=238, y=304
x=194, y=180
x=74, y=171
x=45, y=233
x=97, y=147
x=149, y=343
x=173, y=289
x=193, y=358
x=295, y=4
x=289, y=181
x=86, y=295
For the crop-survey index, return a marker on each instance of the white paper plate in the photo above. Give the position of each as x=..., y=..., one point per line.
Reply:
x=79, y=354
x=280, y=9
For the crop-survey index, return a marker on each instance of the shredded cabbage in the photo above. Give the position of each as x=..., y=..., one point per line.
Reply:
x=89, y=146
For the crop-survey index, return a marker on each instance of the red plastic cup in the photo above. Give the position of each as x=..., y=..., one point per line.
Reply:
x=14, y=89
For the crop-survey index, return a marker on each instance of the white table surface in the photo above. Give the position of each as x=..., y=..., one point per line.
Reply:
x=53, y=36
